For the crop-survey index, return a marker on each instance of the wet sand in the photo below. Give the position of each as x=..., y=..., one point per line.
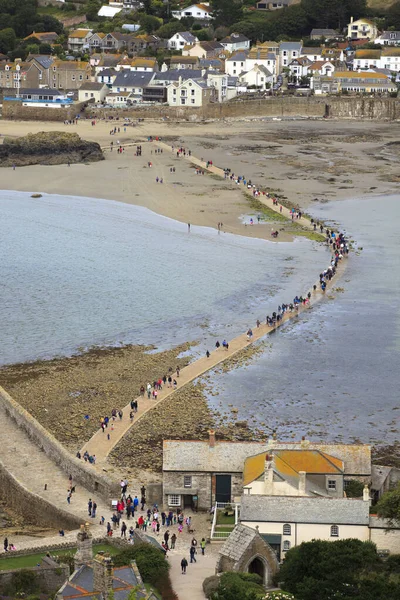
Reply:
x=301, y=160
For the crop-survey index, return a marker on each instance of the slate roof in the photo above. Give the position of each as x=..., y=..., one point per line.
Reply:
x=133, y=78
x=42, y=59
x=187, y=36
x=108, y=73
x=379, y=475
x=174, y=74
x=323, y=32
x=236, y=544
x=92, y=86
x=304, y=509
x=80, y=584
x=290, y=46
x=225, y=457
x=239, y=56
x=390, y=35
x=217, y=63
x=234, y=38
x=35, y=91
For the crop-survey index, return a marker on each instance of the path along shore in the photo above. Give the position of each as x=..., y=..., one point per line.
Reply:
x=99, y=444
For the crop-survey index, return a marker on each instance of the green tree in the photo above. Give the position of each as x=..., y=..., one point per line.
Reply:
x=393, y=16
x=388, y=506
x=354, y=489
x=150, y=560
x=149, y=23
x=333, y=13
x=167, y=30
x=92, y=8
x=226, y=12
x=7, y=40
x=323, y=569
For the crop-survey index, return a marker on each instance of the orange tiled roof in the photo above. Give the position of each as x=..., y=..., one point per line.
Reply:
x=311, y=461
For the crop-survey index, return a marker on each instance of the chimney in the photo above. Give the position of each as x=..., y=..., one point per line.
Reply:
x=211, y=438
x=366, y=497
x=305, y=443
x=84, y=554
x=302, y=483
x=351, y=19
x=102, y=574
x=269, y=475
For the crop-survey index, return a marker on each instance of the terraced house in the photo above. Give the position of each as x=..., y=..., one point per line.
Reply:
x=69, y=74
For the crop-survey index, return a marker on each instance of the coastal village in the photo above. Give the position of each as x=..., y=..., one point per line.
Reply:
x=128, y=67
x=120, y=478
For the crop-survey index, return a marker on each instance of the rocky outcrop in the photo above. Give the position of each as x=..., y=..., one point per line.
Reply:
x=48, y=148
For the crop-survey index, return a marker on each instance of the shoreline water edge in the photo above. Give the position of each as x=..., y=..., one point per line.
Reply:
x=335, y=242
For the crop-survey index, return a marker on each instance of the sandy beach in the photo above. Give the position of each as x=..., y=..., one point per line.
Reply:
x=301, y=160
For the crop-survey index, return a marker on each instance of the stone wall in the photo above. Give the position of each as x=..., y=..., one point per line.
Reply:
x=286, y=107
x=35, y=509
x=15, y=111
x=80, y=471
x=203, y=484
x=50, y=576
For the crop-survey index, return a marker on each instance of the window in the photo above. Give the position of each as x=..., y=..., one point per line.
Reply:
x=193, y=101
x=334, y=531
x=80, y=77
x=331, y=484
x=174, y=500
x=183, y=100
x=86, y=95
x=73, y=77
x=187, y=481
x=194, y=91
x=287, y=529
x=286, y=545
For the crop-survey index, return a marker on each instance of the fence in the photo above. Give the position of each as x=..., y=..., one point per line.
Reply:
x=222, y=534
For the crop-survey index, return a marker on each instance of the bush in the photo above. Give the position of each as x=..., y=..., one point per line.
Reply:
x=210, y=585
x=354, y=489
x=23, y=581
x=149, y=559
x=251, y=578
x=233, y=586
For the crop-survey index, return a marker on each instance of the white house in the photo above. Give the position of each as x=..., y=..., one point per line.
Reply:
x=181, y=39
x=287, y=52
x=321, y=67
x=362, y=29
x=311, y=53
x=364, y=59
x=287, y=521
x=132, y=82
x=218, y=81
x=93, y=91
x=189, y=92
x=235, y=42
x=388, y=38
x=107, y=76
x=258, y=77
x=79, y=39
x=201, y=12
x=299, y=67
x=390, y=59
x=236, y=64
x=262, y=57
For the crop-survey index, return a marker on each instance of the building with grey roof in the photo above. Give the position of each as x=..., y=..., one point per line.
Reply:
x=287, y=521
x=328, y=34
x=128, y=81
x=246, y=551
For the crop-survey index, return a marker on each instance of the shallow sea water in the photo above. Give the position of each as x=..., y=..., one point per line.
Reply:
x=334, y=374
x=77, y=272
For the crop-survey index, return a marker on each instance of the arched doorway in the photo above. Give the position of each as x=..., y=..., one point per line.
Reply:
x=257, y=566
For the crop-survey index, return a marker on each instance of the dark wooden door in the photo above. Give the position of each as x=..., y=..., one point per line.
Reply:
x=223, y=488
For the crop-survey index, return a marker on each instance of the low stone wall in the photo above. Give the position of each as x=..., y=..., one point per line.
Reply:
x=52, y=548
x=15, y=111
x=80, y=471
x=35, y=509
x=286, y=107
x=50, y=576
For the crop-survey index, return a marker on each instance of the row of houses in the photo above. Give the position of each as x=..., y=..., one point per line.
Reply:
x=289, y=492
